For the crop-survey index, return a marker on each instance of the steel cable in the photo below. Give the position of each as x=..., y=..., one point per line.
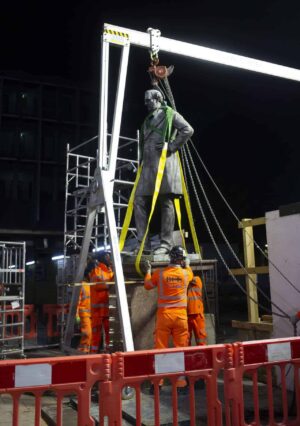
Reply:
x=224, y=236
x=172, y=102
x=285, y=315
x=238, y=220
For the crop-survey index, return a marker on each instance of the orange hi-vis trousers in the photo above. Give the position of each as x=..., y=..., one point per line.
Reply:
x=84, y=313
x=97, y=324
x=196, y=325
x=172, y=322
x=86, y=334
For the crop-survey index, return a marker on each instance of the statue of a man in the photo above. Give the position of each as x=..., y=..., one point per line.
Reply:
x=151, y=144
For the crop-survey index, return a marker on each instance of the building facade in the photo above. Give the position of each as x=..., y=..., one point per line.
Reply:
x=39, y=116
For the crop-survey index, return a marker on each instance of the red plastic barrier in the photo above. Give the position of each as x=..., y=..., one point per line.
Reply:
x=137, y=370
x=30, y=318
x=277, y=359
x=133, y=369
x=53, y=313
x=62, y=375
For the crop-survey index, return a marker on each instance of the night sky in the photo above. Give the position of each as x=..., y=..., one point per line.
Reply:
x=246, y=124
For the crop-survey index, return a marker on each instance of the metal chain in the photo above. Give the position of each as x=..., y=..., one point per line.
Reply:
x=238, y=220
x=172, y=101
x=285, y=315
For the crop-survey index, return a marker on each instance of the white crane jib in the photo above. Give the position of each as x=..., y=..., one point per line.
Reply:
x=102, y=185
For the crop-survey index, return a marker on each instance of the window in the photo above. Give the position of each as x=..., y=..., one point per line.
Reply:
x=10, y=97
x=27, y=136
x=67, y=105
x=49, y=102
x=7, y=142
x=88, y=108
x=29, y=100
x=25, y=183
x=49, y=143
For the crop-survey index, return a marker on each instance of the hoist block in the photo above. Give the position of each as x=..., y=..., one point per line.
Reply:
x=160, y=71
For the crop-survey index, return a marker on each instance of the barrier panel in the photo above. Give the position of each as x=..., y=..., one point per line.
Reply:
x=53, y=314
x=30, y=318
x=201, y=366
x=224, y=386
x=13, y=321
x=63, y=376
x=279, y=361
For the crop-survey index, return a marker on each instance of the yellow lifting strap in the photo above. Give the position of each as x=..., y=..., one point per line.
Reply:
x=158, y=181
x=129, y=210
x=159, y=177
x=178, y=214
x=188, y=209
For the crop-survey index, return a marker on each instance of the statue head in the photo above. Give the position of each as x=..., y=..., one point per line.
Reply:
x=153, y=99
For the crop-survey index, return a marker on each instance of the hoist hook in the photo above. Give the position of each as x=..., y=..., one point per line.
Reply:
x=154, y=45
x=157, y=72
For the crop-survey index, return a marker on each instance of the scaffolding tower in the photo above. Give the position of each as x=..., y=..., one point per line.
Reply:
x=80, y=170
x=12, y=298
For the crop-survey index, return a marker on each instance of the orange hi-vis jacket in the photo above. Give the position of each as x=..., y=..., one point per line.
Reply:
x=171, y=282
x=84, y=304
x=194, y=295
x=99, y=292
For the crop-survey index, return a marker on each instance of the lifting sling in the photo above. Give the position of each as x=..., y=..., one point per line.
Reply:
x=159, y=177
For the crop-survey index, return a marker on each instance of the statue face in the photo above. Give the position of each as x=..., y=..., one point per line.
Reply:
x=151, y=103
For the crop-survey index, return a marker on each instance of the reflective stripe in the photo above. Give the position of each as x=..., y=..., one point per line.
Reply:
x=200, y=340
x=196, y=290
x=196, y=298
x=85, y=297
x=181, y=298
x=84, y=310
x=185, y=278
x=173, y=305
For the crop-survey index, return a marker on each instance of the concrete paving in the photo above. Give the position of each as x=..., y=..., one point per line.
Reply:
x=26, y=410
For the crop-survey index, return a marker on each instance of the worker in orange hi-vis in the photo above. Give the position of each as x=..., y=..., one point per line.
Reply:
x=83, y=315
x=100, y=300
x=195, y=311
x=171, y=283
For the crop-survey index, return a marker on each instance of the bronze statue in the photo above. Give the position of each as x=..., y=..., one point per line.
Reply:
x=151, y=144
